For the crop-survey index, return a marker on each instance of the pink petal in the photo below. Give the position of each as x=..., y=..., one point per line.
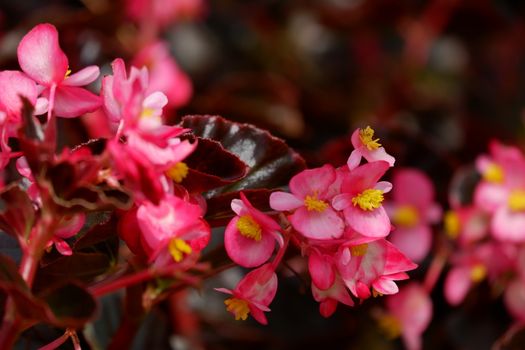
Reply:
x=364, y=177
x=72, y=101
x=318, y=225
x=63, y=248
x=508, y=226
x=327, y=307
x=377, y=155
x=354, y=159
x=457, y=285
x=373, y=223
x=412, y=186
x=414, y=242
x=223, y=290
x=342, y=201
x=385, y=286
x=245, y=251
x=489, y=196
x=321, y=270
x=258, y=315
x=40, y=55
x=41, y=105
x=312, y=181
x=14, y=85
x=83, y=77
x=156, y=100
x=284, y=201
x=384, y=186
x=514, y=298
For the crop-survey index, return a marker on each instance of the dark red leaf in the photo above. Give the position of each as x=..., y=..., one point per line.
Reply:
x=16, y=211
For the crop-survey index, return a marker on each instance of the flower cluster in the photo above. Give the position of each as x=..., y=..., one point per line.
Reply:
x=337, y=219
x=490, y=232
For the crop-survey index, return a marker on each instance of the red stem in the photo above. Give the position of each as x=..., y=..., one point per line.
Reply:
x=57, y=342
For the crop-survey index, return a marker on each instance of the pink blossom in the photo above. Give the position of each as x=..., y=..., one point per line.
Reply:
x=372, y=268
x=310, y=199
x=174, y=225
x=164, y=73
x=361, y=200
x=68, y=227
x=163, y=12
x=328, y=298
x=253, y=294
x=412, y=210
x=410, y=313
x=42, y=59
x=250, y=236
x=367, y=147
x=467, y=225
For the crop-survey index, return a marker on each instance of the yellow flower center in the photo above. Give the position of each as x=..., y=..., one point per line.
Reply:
x=178, y=248
x=359, y=250
x=493, y=173
x=178, y=172
x=249, y=228
x=68, y=73
x=478, y=273
x=367, y=138
x=517, y=200
x=368, y=199
x=314, y=203
x=238, y=307
x=390, y=326
x=406, y=216
x=452, y=224
x=147, y=113
x=376, y=294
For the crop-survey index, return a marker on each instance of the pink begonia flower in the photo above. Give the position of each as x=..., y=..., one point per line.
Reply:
x=164, y=73
x=250, y=236
x=253, y=294
x=367, y=147
x=409, y=314
x=372, y=268
x=174, y=225
x=473, y=266
x=310, y=199
x=361, y=200
x=42, y=59
x=329, y=298
x=412, y=210
x=163, y=12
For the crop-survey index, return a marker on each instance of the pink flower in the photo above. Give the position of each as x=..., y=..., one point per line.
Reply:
x=42, y=59
x=412, y=210
x=410, y=313
x=164, y=73
x=163, y=12
x=253, y=294
x=367, y=147
x=362, y=197
x=310, y=199
x=173, y=224
x=372, y=268
x=250, y=236
x=69, y=226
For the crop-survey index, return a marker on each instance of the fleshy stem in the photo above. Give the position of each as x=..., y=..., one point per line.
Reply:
x=436, y=268
x=280, y=254
x=62, y=339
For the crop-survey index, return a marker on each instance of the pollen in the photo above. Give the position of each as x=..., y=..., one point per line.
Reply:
x=238, y=307
x=478, y=273
x=452, y=224
x=314, y=203
x=178, y=172
x=390, y=326
x=68, y=73
x=147, y=113
x=178, y=248
x=376, y=294
x=367, y=138
x=517, y=200
x=368, y=199
x=493, y=173
x=406, y=216
x=249, y=228
x=359, y=250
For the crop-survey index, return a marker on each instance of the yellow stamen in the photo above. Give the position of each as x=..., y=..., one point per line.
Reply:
x=452, y=224
x=147, y=113
x=406, y=216
x=313, y=203
x=178, y=248
x=494, y=173
x=359, y=250
x=368, y=199
x=517, y=200
x=376, y=294
x=249, y=228
x=238, y=307
x=390, y=326
x=367, y=138
x=68, y=73
x=178, y=172
x=478, y=273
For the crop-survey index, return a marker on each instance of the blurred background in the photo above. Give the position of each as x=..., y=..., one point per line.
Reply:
x=436, y=79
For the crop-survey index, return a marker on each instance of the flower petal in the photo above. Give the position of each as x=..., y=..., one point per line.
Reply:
x=318, y=225
x=284, y=201
x=82, y=77
x=373, y=223
x=72, y=101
